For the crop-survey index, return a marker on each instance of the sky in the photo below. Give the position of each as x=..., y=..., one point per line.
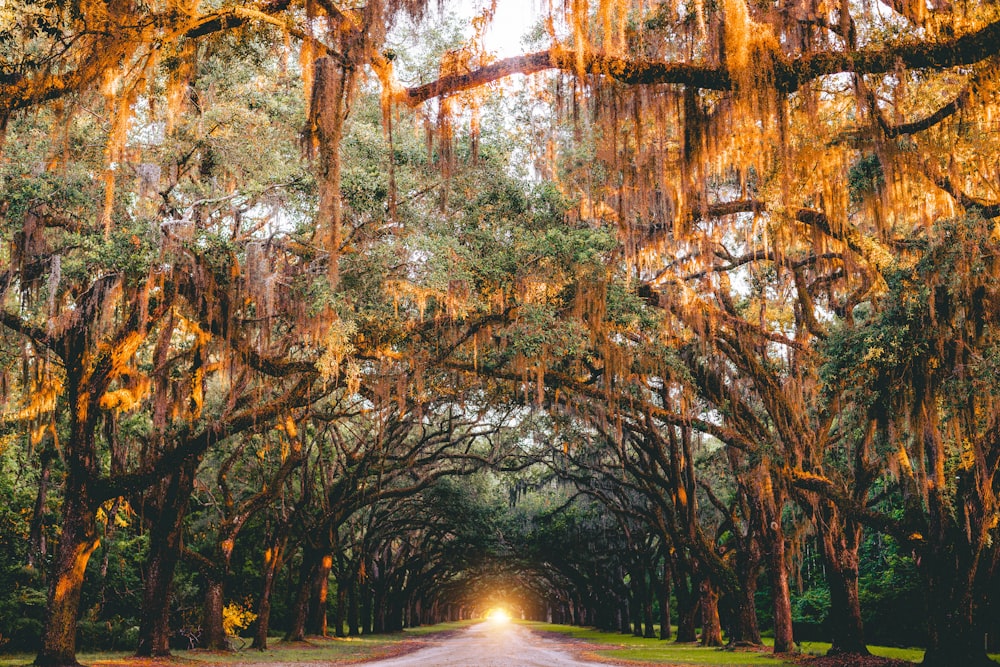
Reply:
x=513, y=19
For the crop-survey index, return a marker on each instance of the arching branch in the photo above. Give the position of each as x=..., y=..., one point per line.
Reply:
x=790, y=73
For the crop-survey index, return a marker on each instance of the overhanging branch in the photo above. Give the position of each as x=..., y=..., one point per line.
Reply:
x=789, y=73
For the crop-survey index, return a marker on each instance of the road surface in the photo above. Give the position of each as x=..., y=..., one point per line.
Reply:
x=490, y=644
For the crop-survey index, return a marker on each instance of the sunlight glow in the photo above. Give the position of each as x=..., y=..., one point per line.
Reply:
x=497, y=615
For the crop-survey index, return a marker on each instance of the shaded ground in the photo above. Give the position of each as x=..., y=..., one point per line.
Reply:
x=853, y=661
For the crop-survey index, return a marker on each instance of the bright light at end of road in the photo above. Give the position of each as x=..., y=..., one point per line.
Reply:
x=497, y=615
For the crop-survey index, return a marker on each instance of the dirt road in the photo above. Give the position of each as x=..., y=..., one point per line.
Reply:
x=490, y=644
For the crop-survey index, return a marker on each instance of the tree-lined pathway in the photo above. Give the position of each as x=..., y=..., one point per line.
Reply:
x=490, y=644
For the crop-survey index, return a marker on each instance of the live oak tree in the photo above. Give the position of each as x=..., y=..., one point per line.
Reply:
x=918, y=374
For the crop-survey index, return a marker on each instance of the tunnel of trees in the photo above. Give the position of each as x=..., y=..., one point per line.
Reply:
x=316, y=318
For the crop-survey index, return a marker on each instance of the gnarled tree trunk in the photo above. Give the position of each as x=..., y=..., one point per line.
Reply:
x=840, y=540
x=168, y=512
x=711, y=627
x=77, y=543
x=781, y=597
x=213, y=634
x=78, y=538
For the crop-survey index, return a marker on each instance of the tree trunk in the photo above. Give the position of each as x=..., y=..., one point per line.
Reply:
x=77, y=543
x=647, y=606
x=168, y=508
x=663, y=591
x=395, y=620
x=340, y=610
x=711, y=627
x=771, y=500
x=955, y=636
x=366, y=609
x=624, y=618
x=154, y=616
x=745, y=631
x=352, y=606
x=378, y=602
x=320, y=593
x=635, y=606
x=213, y=634
x=273, y=557
x=955, y=630
x=687, y=611
x=781, y=597
x=840, y=551
x=300, y=608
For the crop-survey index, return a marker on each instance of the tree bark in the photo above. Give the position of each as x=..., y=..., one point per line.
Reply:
x=340, y=610
x=352, y=606
x=745, y=630
x=647, y=606
x=366, y=609
x=687, y=611
x=273, y=557
x=663, y=591
x=300, y=608
x=168, y=509
x=378, y=602
x=954, y=622
x=154, y=617
x=784, y=641
x=840, y=541
x=635, y=604
x=213, y=634
x=77, y=543
x=320, y=592
x=711, y=627
x=78, y=539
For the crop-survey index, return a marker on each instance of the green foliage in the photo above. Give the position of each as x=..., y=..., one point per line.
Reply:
x=22, y=589
x=866, y=178
x=812, y=606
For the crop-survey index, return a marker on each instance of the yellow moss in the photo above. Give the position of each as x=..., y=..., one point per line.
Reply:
x=122, y=512
x=41, y=400
x=337, y=345
x=237, y=616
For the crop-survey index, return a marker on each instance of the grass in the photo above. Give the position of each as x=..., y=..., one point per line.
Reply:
x=318, y=649
x=654, y=651
x=911, y=654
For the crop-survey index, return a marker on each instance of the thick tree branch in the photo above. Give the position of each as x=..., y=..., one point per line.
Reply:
x=790, y=73
x=877, y=520
x=36, y=334
x=197, y=443
x=970, y=204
